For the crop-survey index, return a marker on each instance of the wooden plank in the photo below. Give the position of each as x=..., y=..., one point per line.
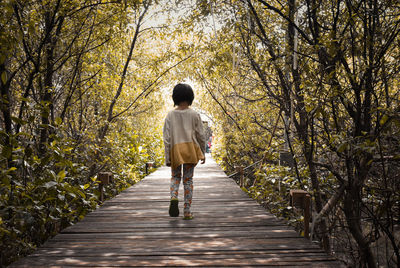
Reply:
x=127, y=236
x=122, y=226
x=135, y=230
x=173, y=261
x=133, y=252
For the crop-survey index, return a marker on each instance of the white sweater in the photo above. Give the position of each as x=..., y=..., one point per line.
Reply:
x=184, y=138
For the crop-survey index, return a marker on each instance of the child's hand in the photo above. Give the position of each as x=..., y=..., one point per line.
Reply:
x=203, y=161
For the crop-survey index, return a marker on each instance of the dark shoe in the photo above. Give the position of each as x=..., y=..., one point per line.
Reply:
x=173, y=208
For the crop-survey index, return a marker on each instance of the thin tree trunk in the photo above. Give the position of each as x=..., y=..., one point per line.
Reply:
x=305, y=123
x=352, y=212
x=104, y=129
x=46, y=97
x=6, y=111
x=110, y=117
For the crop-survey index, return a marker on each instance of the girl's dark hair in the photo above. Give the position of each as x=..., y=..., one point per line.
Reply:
x=182, y=92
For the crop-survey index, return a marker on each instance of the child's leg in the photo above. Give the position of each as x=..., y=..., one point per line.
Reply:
x=175, y=181
x=188, y=186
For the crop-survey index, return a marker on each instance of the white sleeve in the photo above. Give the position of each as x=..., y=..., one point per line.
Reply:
x=200, y=135
x=167, y=141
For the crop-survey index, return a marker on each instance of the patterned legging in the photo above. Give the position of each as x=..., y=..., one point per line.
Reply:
x=187, y=184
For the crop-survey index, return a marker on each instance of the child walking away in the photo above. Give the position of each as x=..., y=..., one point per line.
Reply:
x=184, y=142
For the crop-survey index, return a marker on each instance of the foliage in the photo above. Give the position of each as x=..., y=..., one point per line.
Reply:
x=82, y=90
x=79, y=95
x=318, y=80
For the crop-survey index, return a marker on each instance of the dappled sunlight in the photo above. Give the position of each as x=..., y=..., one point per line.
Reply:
x=140, y=232
x=298, y=104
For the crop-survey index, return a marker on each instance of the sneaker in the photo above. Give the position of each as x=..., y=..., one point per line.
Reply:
x=173, y=208
x=188, y=216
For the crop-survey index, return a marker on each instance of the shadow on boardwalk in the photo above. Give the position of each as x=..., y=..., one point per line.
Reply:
x=134, y=229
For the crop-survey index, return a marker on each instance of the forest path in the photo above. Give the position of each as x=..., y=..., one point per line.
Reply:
x=134, y=229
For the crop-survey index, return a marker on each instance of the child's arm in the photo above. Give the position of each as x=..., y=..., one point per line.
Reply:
x=201, y=137
x=167, y=141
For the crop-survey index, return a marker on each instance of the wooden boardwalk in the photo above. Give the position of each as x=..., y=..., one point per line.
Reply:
x=134, y=230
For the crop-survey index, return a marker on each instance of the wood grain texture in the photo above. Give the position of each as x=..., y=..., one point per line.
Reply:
x=134, y=230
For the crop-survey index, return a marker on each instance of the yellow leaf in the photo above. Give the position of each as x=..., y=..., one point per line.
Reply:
x=58, y=121
x=384, y=119
x=11, y=169
x=61, y=174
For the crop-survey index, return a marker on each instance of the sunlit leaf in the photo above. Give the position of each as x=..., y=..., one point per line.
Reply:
x=50, y=184
x=61, y=174
x=384, y=119
x=11, y=169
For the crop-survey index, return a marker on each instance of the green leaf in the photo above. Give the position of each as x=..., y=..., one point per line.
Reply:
x=384, y=119
x=6, y=181
x=2, y=58
x=27, y=135
x=18, y=120
x=7, y=151
x=82, y=194
x=58, y=121
x=45, y=160
x=61, y=174
x=4, y=77
x=86, y=186
x=342, y=147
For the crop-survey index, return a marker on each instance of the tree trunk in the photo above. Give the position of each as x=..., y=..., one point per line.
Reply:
x=352, y=212
x=46, y=97
x=102, y=133
x=104, y=129
x=305, y=122
x=6, y=111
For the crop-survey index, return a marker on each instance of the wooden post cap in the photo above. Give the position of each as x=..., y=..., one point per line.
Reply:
x=239, y=169
x=297, y=198
x=301, y=199
x=105, y=177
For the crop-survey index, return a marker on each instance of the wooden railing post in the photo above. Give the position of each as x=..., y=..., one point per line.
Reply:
x=302, y=199
x=104, y=179
x=307, y=201
x=148, y=166
x=240, y=171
